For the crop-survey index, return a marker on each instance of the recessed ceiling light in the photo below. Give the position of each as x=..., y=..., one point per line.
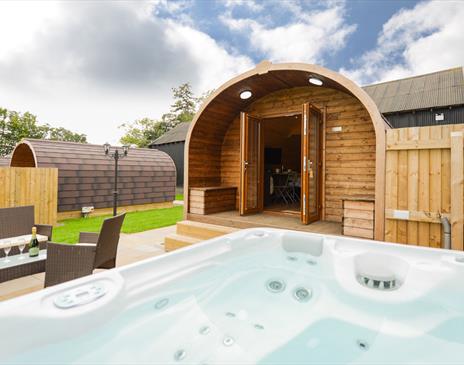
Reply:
x=246, y=94
x=315, y=81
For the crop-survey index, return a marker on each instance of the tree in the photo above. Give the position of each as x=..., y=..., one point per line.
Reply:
x=142, y=132
x=184, y=106
x=63, y=134
x=202, y=98
x=15, y=126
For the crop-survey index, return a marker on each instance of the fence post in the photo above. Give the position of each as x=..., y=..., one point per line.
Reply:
x=457, y=191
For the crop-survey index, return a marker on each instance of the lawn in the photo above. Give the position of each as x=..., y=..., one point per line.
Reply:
x=179, y=196
x=68, y=230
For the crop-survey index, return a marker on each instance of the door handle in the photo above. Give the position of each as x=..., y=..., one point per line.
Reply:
x=311, y=172
x=245, y=164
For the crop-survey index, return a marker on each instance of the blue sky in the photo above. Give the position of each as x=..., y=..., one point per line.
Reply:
x=92, y=65
x=368, y=16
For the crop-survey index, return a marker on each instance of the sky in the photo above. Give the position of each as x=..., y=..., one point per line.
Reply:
x=90, y=66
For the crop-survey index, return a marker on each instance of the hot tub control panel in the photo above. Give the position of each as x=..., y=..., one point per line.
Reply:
x=81, y=295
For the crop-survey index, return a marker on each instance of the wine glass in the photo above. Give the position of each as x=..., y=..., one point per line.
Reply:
x=7, y=250
x=21, y=247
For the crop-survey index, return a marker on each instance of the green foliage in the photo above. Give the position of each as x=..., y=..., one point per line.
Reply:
x=144, y=131
x=15, y=126
x=68, y=230
x=63, y=134
x=202, y=98
x=184, y=104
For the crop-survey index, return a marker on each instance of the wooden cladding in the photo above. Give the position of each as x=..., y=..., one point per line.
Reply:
x=208, y=200
x=358, y=217
x=424, y=182
x=20, y=186
x=349, y=144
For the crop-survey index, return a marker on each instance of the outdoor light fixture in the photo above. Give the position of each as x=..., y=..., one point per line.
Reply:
x=106, y=148
x=116, y=156
x=125, y=150
x=246, y=94
x=315, y=81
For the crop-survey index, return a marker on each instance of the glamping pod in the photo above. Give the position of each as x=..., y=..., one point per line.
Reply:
x=86, y=175
x=293, y=141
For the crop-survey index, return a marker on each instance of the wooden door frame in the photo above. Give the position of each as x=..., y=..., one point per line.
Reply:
x=305, y=219
x=272, y=116
x=243, y=171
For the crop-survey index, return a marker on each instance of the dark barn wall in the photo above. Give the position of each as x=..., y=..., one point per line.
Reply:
x=426, y=117
x=176, y=151
x=86, y=175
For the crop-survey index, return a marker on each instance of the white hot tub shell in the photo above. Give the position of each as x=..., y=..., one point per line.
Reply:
x=256, y=296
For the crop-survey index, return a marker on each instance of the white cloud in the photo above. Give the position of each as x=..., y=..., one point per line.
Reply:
x=252, y=5
x=309, y=37
x=90, y=66
x=426, y=38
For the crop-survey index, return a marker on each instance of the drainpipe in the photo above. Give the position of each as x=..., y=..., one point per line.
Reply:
x=446, y=233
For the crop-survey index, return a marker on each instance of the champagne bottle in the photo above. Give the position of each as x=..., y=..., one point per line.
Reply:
x=34, y=244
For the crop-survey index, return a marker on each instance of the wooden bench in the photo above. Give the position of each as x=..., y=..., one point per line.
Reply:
x=212, y=199
x=358, y=217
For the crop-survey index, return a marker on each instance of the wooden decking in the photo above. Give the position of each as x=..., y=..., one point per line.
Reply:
x=233, y=219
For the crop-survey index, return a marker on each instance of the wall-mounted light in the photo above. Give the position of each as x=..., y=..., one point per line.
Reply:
x=246, y=94
x=315, y=81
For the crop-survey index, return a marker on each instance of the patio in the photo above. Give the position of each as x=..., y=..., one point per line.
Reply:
x=132, y=248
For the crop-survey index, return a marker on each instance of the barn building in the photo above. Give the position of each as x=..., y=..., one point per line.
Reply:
x=172, y=142
x=433, y=99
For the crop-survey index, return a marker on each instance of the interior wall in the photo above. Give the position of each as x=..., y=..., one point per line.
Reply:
x=22, y=157
x=285, y=133
x=349, y=154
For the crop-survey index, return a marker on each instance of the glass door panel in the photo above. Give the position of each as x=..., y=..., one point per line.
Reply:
x=311, y=164
x=251, y=195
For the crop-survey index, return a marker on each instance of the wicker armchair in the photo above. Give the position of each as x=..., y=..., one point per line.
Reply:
x=94, y=251
x=18, y=221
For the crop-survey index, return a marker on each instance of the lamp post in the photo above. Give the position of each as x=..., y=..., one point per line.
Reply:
x=116, y=155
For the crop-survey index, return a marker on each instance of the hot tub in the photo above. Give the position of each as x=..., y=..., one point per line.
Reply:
x=257, y=296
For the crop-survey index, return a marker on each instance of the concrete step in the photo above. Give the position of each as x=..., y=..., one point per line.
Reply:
x=175, y=241
x=203, y=231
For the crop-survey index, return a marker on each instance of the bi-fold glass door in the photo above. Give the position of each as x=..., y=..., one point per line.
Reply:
x=251, y=167
x=311, y=164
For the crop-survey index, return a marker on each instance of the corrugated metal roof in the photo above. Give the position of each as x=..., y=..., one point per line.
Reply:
x=177, y=134
x=437, y=89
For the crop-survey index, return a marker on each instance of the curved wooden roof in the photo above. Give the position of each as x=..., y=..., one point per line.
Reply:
x=85, y=174
x=224, y=104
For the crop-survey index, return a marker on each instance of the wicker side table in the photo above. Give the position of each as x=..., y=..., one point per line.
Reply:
x=18, y=267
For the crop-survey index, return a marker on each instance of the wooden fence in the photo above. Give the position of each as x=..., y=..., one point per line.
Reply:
x=424, y=182
x=31, y=186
